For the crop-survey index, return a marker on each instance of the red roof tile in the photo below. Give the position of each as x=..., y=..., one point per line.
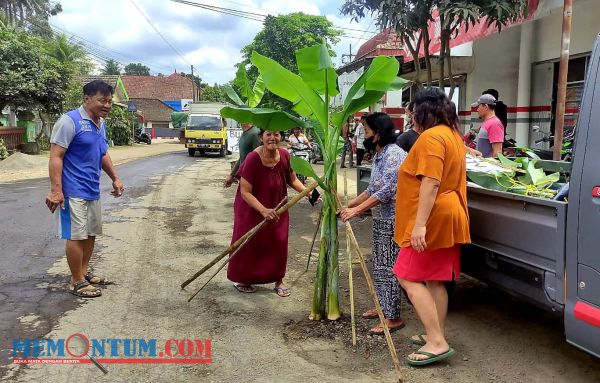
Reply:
x=385, y=43
x=173, y=87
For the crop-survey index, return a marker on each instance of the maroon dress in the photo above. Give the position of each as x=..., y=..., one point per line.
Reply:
x=264, y=258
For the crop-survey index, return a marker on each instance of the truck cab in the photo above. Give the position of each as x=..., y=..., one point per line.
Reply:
x=205, y=130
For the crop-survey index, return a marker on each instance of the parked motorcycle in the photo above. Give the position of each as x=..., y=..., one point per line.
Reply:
x=141, y=137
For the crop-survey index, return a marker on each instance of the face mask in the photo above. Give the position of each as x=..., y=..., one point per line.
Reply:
x=370, y=143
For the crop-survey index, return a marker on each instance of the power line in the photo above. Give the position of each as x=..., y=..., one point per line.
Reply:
x=252, y=15
x=92, y=49
x=160, y=34
x=86, y=42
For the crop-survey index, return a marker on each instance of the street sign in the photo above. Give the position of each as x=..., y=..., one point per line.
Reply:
x=131, y=107
x=185, y=104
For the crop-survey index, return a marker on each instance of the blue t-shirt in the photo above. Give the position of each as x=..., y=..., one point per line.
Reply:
x=86, y=144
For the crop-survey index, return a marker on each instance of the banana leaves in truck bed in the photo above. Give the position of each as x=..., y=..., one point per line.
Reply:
x=519, y=176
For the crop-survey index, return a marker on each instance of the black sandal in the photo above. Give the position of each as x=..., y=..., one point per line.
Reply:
x=103, y=281
x=80, y=287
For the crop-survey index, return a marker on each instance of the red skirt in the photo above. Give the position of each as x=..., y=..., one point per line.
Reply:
x=430, y=265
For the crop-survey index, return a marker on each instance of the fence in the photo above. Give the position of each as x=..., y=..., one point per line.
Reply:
x=13, y=137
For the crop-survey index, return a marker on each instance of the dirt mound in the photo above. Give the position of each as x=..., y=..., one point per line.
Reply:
x=20, y=161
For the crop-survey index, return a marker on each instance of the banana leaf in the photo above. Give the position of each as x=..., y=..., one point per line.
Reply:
x=241, y=80
x=303, y=167
x=291, y=87
x=315, y=66
x=267, y=119
x=370, y=87
x=258, y=91
x=232, y=94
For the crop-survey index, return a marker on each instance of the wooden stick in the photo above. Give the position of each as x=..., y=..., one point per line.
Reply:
x=386, y=330
x=252, y=232
x=314, y=238
x=219, y=269
x=349, y=257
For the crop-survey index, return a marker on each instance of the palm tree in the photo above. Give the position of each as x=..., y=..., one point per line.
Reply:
x=71, y=54
x=18, y=10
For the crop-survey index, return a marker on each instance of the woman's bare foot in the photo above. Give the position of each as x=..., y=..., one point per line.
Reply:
x=281, y=289
x=393, y=325
x=370, y=314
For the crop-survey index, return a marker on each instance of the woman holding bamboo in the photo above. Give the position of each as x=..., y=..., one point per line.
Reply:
x=380, y=196
x=431, y=219
x=264, y=177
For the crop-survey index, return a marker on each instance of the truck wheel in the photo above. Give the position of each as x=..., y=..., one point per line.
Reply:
x=191, y=152
x=201, y=153
x=222, y=152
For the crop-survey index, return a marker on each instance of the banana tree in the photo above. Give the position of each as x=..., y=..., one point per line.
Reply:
x=252, y=93
x=311, y=92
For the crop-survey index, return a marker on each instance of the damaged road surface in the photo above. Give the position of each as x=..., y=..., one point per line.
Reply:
x=174, y=218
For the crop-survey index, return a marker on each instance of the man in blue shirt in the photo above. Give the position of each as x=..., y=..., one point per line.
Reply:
x=78, y=153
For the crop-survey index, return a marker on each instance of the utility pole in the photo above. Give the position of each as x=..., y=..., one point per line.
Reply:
x=563, y=70
x=349, y=56
x=193, y=86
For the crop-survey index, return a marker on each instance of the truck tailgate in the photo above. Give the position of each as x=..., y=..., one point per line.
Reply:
x=527, y=230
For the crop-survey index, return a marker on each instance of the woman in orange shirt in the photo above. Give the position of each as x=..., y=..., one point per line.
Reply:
x=431, y=219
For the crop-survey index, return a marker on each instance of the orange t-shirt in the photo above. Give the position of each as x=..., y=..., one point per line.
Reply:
x=439, y=153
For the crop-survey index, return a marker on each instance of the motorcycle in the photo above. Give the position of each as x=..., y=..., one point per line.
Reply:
x=303, y=151
x=141, y=137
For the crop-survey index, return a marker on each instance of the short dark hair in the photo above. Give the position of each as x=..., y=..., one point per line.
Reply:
x=492, y=92
x=382, y=124
x=433, y=107
x=97, y=86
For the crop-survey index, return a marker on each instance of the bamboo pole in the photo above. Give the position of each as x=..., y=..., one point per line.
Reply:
x=386, y=330
x=349, y=258
x=252, y=232
x=314, y=238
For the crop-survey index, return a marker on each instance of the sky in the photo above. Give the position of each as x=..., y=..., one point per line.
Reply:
x=209, y=40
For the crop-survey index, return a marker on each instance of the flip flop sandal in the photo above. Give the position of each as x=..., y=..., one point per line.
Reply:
x=103, y=281
x=419, y=342
x=391, y=329
x=243, y=288
x=365, y=315
x=80, y=287
x=281, y=291
x=431, y=358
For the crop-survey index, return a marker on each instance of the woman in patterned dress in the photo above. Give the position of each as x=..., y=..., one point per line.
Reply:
x=381, y=197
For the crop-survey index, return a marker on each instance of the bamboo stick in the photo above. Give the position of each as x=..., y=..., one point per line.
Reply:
x=252, y=232
x=219, y=269
x=314, y=237
x=386, y=330
x=349, y=258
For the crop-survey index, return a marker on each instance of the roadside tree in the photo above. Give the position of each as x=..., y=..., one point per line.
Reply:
x=111, y=67
x=137, y=69
x=411, y=19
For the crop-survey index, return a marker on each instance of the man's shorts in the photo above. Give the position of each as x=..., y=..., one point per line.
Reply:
x=79, y=219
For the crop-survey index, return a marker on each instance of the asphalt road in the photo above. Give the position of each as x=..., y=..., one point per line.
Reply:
x=30, y=246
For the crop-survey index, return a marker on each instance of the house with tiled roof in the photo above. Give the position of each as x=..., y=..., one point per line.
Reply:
x=171, y=90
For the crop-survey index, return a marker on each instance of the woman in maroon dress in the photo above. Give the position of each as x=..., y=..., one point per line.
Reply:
x=264, y=178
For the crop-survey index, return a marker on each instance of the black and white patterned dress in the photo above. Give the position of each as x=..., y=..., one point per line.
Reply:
x=382, y=186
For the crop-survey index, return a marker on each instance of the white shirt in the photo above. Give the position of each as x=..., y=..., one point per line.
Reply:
x=359, y=134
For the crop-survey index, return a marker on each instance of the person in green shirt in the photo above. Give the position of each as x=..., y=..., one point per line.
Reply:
x=248, y=142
